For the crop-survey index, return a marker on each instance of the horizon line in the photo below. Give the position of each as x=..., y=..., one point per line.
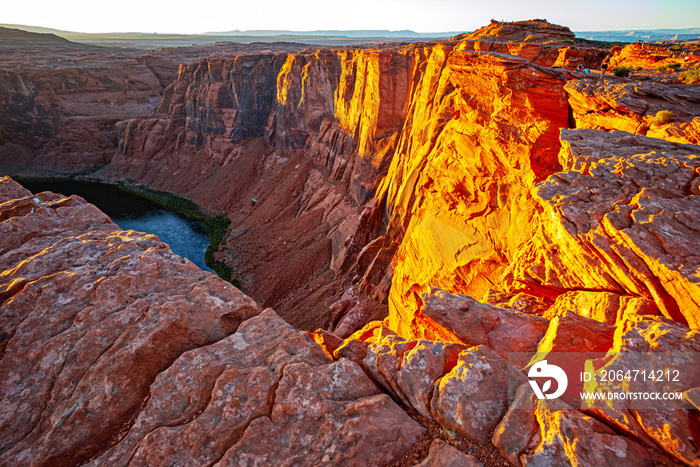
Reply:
x=310, y=31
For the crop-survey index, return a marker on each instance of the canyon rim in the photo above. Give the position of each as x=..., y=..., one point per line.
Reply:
x=409, y=227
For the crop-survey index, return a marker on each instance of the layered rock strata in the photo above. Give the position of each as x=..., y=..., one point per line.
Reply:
x=442, y=180
x=618, y=220
x=60, y=101
x=347, y=134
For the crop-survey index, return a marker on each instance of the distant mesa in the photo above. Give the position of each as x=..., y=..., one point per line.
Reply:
x=10, y=36
x=534, y=30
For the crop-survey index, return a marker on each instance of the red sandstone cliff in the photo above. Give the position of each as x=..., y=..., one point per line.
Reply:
x=60, y=101
x=335, y=121
x=476, y=191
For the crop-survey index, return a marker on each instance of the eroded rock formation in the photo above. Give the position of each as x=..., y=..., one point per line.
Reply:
x=345, y=134
x=535, y=30
x=116, y=351
x=627, y=201
x=470, y=198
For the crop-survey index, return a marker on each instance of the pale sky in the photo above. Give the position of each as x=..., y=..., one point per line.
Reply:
x=190, y=17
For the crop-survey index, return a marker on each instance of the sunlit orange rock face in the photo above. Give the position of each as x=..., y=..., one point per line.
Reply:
x=537, y=41
x=462, y=218
x=618, y=219
x=674, y=431
x=614, y=103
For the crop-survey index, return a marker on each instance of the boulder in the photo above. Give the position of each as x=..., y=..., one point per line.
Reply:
x=383, y=362
x=421, y=367
x=476, y=323
x=531, y=433
x=574, y=333
x=473, y=397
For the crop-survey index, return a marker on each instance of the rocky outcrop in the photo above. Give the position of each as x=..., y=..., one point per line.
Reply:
x=618, y=220
x=268, y=395
x=91, y=315
x=464, y=389
x=458, y=220
x=477, y=394
x=672, y=425
x=615, y=103
x=115, y=351
x=535, y=30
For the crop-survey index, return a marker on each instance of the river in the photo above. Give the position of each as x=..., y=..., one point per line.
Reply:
x=186, y=237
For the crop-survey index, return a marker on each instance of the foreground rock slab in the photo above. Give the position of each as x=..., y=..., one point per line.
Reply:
x=115, y=351
x=473, y=397
x=267, y=395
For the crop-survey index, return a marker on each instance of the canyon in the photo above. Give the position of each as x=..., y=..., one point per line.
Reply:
x=410, y=224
